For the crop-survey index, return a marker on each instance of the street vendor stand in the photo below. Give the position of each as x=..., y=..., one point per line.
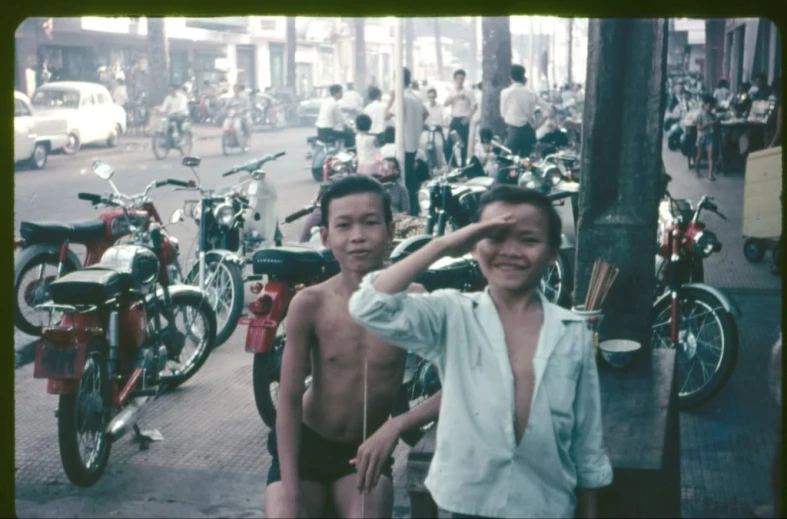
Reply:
x=762, y=205
x=641, y=432
x=737, y=137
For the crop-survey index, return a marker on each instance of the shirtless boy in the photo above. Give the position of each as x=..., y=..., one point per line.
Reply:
x=317, y=445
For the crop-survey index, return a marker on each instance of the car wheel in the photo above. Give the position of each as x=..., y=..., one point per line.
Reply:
x=40, y=153
x=73, y=144
x=112, y=140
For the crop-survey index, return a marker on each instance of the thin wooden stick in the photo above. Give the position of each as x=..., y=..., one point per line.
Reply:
x=590, y=286
x=609, y=285
x=602, y=269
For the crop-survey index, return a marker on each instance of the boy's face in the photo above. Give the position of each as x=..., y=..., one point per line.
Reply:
x=388, y=167
x=459, y=80
x=516, y=259
x=432, y=97
x=356, y=232
x=707, y=107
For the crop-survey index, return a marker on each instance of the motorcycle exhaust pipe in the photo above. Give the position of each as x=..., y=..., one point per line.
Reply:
x=126, y=419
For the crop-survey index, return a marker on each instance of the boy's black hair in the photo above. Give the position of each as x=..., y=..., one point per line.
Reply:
x=355, y=185
x=518, y=73
x=460, y=72
x=374, y=93
x=407, y=76
x=516, y=195
x=723, y=83
x=363, y=123
x=486, y=135
x=745, y=85
x=389, y=135
x=432, y=91
x=709, y=100
x=395, y=163
x=335, y=89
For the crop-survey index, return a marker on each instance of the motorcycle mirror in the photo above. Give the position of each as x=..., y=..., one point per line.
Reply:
x=191, y=162
x=102, y=169
x=177, y=216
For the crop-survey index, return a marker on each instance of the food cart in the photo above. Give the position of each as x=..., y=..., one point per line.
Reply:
x=762, y=203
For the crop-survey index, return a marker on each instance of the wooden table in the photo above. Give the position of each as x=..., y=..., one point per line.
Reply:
x=642, y=435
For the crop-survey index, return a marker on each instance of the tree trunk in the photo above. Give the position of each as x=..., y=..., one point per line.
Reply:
x=621, y=169
x=360, y=55
x=292, y=42
x=496, y=64
x=473, y=68
x=158, y=61
x=438, y=49
x=409, y=36
x=570, y=51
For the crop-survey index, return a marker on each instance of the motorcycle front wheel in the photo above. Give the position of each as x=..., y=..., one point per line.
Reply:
x=160, y=145
x=187, y=144
x=225, y=294
x=556, y=283
x=708, y=344
x=414, y=393
x=82, y=422
x=189, y=334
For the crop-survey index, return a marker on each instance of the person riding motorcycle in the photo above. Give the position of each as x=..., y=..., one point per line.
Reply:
x=241, y=103
x=176, y=107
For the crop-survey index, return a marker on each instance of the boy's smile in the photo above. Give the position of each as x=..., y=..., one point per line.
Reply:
x=517, y=258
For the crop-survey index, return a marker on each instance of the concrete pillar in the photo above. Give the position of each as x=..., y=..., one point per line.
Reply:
x=772, y=46
x=621, y=168
x=714, y=51
x=231, y=51
x=735, y=77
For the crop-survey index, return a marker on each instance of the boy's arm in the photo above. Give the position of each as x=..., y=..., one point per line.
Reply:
x=587, y=448
x=374, y=452
x=300, y=332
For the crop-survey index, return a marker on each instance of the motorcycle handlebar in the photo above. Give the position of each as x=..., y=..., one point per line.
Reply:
x=175, y=182
x=254, y=164
x=300, y=214
x=90, y=197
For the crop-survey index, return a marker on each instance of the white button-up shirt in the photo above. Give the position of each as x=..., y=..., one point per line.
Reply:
x=436, y=114
x=478, y=469
x=518, y=105
x=376, y=112
x=176, y=105
x=331, y=115
x=414, y=111
x=462, y=103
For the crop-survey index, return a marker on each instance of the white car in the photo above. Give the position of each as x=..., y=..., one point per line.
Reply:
x=35, y=136
x=91, y=114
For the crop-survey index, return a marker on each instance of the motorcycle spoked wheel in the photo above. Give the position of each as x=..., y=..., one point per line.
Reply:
x=556, y=283
x=187, y=144
x=30, y=292
x=160, y=145
x=705, y=327
x=317, y=174
x=225, y=290
x=266, y=375
x=86, y=413
x=412, y=395
x=194, y=319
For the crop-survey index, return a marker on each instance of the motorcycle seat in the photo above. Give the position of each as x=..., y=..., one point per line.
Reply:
x=295, y=263
x=481, y=181
x=83, y=231
x=90, y=286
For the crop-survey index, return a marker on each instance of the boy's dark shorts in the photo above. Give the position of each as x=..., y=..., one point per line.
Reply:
x=320, y=460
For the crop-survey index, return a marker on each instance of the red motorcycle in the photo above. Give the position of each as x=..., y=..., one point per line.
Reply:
x=233, y=137
x=45, y=251
x=695, y=319
x=118, y=344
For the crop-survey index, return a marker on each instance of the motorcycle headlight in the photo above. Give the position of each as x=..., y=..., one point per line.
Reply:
x=707, y=243
x=197, y=212
x=224, y=214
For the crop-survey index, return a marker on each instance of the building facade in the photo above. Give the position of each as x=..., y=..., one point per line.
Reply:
x=752, y=46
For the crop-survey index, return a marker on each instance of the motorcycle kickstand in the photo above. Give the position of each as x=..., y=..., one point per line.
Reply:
x=143, y=440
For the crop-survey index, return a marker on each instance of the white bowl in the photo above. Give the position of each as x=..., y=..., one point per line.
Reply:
x=619, y=353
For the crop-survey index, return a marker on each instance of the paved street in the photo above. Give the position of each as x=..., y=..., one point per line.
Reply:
x=212, y=461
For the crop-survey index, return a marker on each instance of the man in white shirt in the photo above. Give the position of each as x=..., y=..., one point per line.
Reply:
x=722, y=93
x=415, y=115
x=518, y=106
x=176, y=107
x=120, y=94
x=376, y=111
x=352, y=99
x=435, y=117
x=330, y=122
x=463, y=105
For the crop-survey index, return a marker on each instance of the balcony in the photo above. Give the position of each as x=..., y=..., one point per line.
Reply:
x=237, y=24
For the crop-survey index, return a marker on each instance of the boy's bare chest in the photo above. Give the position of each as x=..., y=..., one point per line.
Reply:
x=341, y=342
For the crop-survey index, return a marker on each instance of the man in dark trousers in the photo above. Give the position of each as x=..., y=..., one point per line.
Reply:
x=518, y=106
x=463, y=105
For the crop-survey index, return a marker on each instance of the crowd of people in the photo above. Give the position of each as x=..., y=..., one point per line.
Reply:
x=429, y=120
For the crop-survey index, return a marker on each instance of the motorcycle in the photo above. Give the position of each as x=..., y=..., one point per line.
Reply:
x=138, y=116
x=232, y=135
x=223, y=240
x=345, y=162
x=117, y=345
x=45, y=251
x=168, y=138
x=319, y=153
x=695, y=319
x=432, y=151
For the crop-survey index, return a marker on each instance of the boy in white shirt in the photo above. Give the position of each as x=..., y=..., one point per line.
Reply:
x=520, y=431
x=366, y=146
x=435, y=117
x=376, y=111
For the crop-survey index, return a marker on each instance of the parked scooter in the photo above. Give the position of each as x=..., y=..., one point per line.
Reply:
x=46, y=254
x=118, y=345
